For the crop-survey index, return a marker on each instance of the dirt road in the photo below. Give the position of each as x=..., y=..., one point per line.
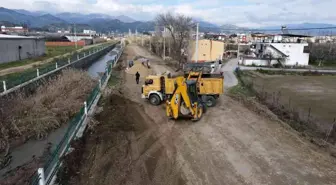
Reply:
x=230, y=79
x=136, y=144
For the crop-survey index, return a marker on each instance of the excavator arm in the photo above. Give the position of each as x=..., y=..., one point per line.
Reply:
x=184, y=100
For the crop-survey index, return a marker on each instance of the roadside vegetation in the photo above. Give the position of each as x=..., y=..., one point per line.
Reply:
x=322, y=54
x=305, y=101
x=176, y=40
x=52, y=105
x=294, y=73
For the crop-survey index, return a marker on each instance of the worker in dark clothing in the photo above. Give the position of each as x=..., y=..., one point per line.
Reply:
x=137, y=77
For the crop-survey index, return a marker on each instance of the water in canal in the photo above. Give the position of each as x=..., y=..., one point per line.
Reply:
x=100, y=65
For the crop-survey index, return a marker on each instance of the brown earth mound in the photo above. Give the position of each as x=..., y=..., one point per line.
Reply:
x=142, y=69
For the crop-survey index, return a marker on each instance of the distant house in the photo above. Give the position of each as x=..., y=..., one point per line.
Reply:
x=285, y=50
x=90, y=32
x=16, y=29
x=208, y=50
x=14, y=48
x=59, y=40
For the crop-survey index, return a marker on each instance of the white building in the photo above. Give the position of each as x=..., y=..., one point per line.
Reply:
x=281, y=50
x=91, y=32
x=77, y=38
x=289, y=54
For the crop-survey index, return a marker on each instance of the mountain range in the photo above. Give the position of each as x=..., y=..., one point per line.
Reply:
x=40, y=20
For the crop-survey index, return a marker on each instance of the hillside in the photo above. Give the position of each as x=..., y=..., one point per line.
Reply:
x=14, y=17
x=40, y=20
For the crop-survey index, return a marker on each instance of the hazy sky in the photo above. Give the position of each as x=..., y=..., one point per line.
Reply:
x=253, y=13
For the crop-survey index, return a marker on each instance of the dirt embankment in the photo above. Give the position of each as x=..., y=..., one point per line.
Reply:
x=120, y=150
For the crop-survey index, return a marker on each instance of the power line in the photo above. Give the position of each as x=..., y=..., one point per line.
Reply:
x=290, y=29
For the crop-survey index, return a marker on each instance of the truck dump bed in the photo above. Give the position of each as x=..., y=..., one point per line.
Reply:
x=205, y=68
x=207, y=86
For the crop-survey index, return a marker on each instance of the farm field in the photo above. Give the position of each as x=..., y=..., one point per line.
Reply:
x=301, y=93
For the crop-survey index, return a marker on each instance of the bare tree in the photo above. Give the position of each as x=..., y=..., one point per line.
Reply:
x=179, y=28
x=321, y=52
x=270, y=56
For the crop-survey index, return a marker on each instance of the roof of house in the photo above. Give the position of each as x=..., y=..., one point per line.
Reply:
x=4, y=36
x=294, y=35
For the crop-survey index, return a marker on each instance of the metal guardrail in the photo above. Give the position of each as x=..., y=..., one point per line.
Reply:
x=33, y=75
x=47, y=174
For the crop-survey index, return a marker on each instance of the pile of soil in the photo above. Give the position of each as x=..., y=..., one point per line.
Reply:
x=141, y=68
x=103, y=152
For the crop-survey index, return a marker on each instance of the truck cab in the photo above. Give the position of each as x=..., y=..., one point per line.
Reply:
x=153, y=89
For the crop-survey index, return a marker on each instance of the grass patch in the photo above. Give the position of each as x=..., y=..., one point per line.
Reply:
x=14, y=79
x=114, y=79
x=51, y=51
x=240, y=90
x=297, y=73
x=244, y=87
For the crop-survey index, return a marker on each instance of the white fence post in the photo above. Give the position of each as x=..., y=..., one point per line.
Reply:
x=100, y=84
x=89, y=52
x=56, y=65
x=37, y=72
x=85, y=108
x=77, y=56
x=84, y=54
x=40, y=172
x=4, y=85
x=69, y=60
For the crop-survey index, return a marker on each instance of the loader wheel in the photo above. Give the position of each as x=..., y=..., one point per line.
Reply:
x=154, y=99
x=210, y=101
x=200, y=111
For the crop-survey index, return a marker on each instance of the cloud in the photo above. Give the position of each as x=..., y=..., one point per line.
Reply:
x=241, y=12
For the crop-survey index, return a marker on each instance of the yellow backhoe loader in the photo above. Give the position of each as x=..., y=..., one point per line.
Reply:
x=185, y=102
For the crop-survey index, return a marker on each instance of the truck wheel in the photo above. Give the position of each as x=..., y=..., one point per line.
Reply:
x=210, y=101
x=200, y=111
x=154, y=99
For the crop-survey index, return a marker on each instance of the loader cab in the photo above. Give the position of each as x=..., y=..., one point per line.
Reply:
x=192, y=90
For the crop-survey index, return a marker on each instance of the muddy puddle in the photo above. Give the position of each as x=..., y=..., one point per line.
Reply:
x=122, y=148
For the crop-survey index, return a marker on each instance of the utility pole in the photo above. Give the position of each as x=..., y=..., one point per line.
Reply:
x=142, y=40
x=150, y=44
x=164, y=43
x=75, y=36
x=238, y=50
x=196, y=44
x=169, y=41
x=169, y=47
x=136, y=35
